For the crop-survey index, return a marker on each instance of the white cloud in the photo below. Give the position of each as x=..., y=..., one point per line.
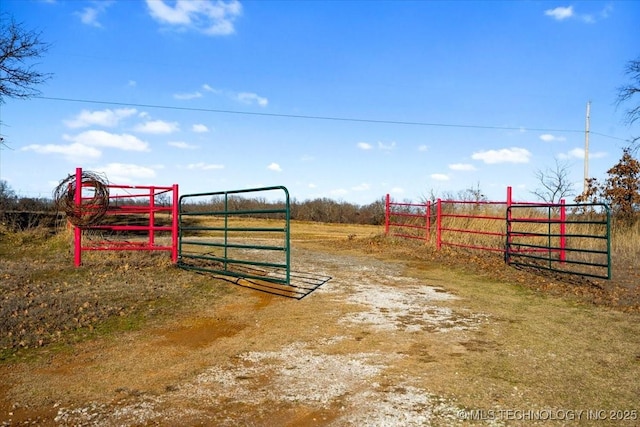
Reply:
x=209, y=88
x=123, y=173
x=100, y=138
x=73, y=152
x=440, y=177
x=578, y=153
x=186, y=96
x=505, y=155
x=423, y=148
x=462, y=167
x=339, y=192
x=182, y=144
x=204, y=166
x=199, y=128
x=157, y=127
x=206, y=16
x=547, y=137
x=274, y=167
x=381, y=146
x=386, y=147
x=361, y=187
x=86, y=145
x=397, y=190
x=312, y=185
x=560, y=13
x=106, y=118
x=132, y=83
x=251, y=99
x=89, y=15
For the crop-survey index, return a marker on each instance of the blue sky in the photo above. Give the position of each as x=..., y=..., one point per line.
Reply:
x=348, y=100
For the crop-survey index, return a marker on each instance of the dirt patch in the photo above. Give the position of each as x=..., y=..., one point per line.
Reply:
x=256, y=359
x=199, y=332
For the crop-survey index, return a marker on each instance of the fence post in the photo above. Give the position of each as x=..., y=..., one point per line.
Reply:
x=175, y=206
x=152, y=215
x=77, y=232
x=508, y=228
x=563, y=231
x=387, y=214
x=439, y=224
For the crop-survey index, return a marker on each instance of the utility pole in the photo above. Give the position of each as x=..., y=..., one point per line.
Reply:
x=586, y=148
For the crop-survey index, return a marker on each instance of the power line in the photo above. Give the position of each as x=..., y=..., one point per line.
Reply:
x=328, y=118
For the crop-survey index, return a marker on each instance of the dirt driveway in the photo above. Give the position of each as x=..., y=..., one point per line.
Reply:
x=368, y=347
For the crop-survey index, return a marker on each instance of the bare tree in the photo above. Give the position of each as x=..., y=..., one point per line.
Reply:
x=18, y=46
x=472, y=194
x=555, y=183
x=628, y=92
x=18, y=78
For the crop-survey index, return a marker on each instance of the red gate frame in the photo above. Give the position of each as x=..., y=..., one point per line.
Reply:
x=151, y=209
x=389, y=213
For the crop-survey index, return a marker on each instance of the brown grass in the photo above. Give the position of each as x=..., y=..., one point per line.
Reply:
x=544, y=342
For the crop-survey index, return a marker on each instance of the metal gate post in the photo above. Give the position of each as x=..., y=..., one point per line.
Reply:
x=77, y=232
x=387, y=213
x=439, y=225
x=563, y=231
x=152, y=215
x=606, y=207
x=287, y=234
x=226, y=230
x=174, y=223
x=508, y=228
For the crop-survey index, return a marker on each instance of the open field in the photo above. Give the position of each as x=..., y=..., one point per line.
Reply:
x=399, y=335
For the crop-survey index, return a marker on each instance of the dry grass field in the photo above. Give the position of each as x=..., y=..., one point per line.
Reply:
x=399, y=334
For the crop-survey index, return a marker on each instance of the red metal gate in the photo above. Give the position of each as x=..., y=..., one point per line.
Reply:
x=133, y=218
x=467, y=224
x=408, y=220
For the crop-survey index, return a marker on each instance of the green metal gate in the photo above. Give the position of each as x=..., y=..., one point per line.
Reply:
x=237, y=233
x=564, y=238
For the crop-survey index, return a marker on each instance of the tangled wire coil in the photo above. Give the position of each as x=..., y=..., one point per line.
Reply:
x=91, y=209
